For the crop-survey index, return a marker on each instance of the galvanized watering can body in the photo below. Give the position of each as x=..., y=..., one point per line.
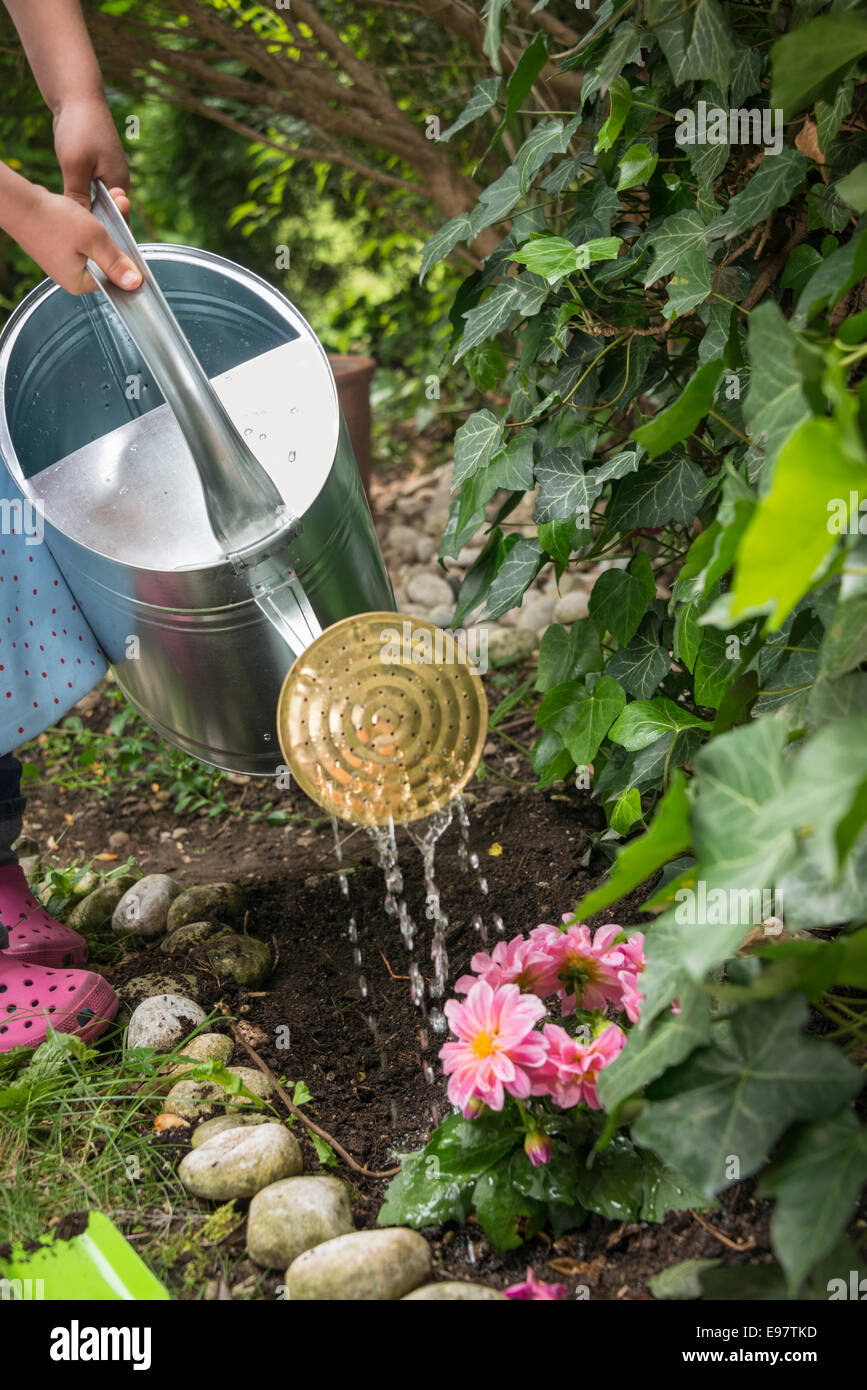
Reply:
x=85, y=435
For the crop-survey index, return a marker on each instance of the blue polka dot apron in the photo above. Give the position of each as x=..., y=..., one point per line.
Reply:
x=49, y=658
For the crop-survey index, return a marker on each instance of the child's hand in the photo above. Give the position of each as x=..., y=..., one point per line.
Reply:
x=60, y=235
x=88, y=147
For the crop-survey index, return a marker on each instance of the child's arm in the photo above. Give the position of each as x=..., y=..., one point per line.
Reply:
x=59, y=232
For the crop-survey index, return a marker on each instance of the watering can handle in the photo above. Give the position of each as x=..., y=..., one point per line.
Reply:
x=243, y=504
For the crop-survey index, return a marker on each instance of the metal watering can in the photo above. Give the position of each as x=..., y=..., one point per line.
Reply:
x=204, y=504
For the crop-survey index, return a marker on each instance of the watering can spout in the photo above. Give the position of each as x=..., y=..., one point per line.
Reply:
x=248, y=516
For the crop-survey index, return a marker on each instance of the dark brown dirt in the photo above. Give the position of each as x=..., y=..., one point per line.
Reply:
x=369, y=1091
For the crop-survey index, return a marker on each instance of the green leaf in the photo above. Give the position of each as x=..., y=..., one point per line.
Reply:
x=680, y=1281
x=837, y=274
x=690, y=284
x=444, y=240
x=624, y=47
x=510, y=299
x=644, y=721
x=673, y=424
x=816, y=1181
x=621, y=100
x=777, y=178
x=565, y=490
x=324, y=1152
x=711, y=49
x=566, y=653
x=853, y=189
x=514, y=576
x=790, y=533
x=595, y=714
x=550, y=256
x=714, y=669
x=672, y=240
x=495, y=18
x=775, y=404
x=614, y=1186
x=657, y=494
x=619, y=598
x=735, y=1099
x=497, y=200
x=636, y=167
x=476, y=443
x=483, y=98
x=648, y=1054
x=527, y=69
x=668, y=836
x=642, y=663
x=499, y=1206
x=808, y=62
x=626, y=811
x=548, y=138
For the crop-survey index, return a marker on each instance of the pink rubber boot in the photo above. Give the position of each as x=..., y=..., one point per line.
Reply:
x=33, y=934
x=33, y=997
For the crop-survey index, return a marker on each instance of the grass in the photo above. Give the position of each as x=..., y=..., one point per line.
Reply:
x=76, y=1133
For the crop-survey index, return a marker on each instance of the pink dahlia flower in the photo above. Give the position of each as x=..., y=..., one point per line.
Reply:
x=497, y=1046
x=583, y=970
x=535, y=1291
x=571, y=1068
x=517, y=962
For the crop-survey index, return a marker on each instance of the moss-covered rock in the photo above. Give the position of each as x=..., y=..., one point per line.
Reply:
x=216, y=902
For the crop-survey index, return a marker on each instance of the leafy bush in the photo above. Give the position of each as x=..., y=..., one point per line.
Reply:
x=680, y=329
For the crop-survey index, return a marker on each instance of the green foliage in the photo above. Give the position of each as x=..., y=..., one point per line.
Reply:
x=681, y=363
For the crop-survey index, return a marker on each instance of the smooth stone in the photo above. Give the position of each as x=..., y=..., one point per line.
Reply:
x=28, y=863
x=508, y=645
x=571, y=607
x=292, y=1216
x=402, y=540
x=86, y=883
x=199, y=1099
x=240, y=1162
x=442, y=618
x=205, y=1047
x=25, y=845
x=163, y=1021
x=245, y=959
x=220, y=1123
x=142, y=987
x=425, y=549
x=536, y=614
x=144, y=908
x=95, y=911
x=468, y=556
x=452, y=1290
x=221, y=902
x=118, y=839
x=367, y=1265
x=430, y=590
x=186, y=939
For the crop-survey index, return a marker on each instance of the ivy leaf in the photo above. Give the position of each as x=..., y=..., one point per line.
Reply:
x=620, y=97
x=658, y=494
x=690, y=284
x=512, y=297
x=497, y=200
x=595, y=714
x=790, y=532
x=626, y=811
x=816, y=1181
x=484, y=96
x=667, y=836
x=642, y=663
x=550, y=256
x=527, y=69
x=777, y=178
x=476, y=442
x=647, y=1055
x=672, y=240
x=714, y=669
x=809, y=61
x=636, y=166
x=495, y=18
x=548, y=138
x=644, y=721
x=711, y=48
x=679, y=419
x=775, y=403
x=566, y=653
x=738, y=1097
x=444, y=240
x=514, y=576
x=624, y=47
x=618, y=465
x=619, y=599
x=564, y=488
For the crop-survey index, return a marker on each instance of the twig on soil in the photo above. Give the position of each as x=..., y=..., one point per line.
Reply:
x=305, y=1120
x=391, y=972
x=718, y=1235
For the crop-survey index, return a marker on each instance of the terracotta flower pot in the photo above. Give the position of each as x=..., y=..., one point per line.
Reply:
x=353, y=374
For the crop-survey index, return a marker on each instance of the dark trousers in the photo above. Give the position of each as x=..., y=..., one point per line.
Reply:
x=11, y=807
